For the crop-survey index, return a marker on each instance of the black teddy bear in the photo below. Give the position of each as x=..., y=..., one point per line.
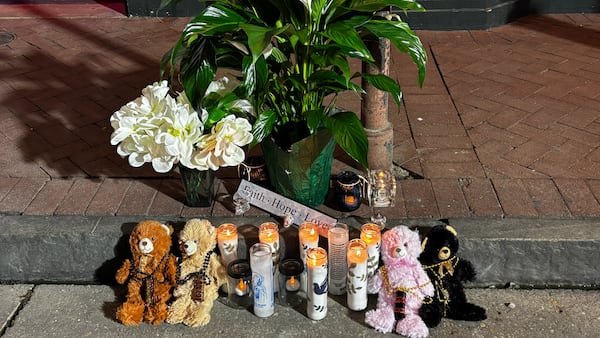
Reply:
x=447, y=273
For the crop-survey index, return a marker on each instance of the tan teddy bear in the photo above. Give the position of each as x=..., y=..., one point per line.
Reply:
x=151, y=274
x=199, y=275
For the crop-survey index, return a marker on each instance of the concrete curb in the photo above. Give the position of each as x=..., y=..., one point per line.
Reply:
x=521, y=251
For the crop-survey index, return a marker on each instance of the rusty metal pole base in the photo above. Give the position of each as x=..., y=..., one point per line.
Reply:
x=381, y=148
x=374, y=110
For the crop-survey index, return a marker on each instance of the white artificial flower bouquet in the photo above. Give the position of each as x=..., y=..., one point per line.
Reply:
x=164, y=130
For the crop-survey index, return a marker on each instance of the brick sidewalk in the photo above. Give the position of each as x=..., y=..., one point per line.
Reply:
x=507, y=123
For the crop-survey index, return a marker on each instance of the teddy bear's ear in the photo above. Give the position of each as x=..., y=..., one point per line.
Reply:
x=452, y=230
x=167, y=229
x=424, y=243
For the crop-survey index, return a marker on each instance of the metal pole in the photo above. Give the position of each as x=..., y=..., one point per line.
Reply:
x=374, y=109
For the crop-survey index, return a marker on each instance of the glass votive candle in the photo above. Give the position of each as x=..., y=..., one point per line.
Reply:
x=268, y=233
x=227, y=240
x=337, y=242
x=357, y=275
x=382, y=188
x=316, y=293
x=371, y=234
x=263, y=286
x=239, y=284
x=308, y=238
x=347, y=191
x=290, y=272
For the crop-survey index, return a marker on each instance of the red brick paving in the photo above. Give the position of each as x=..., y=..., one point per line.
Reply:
x=506, y=124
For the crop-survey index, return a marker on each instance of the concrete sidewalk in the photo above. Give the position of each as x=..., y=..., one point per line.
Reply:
x=89, y=311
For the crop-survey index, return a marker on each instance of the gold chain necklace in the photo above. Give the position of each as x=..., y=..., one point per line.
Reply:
x=442, y=294
x=391, y=290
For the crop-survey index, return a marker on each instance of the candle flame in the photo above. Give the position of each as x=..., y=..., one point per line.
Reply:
x=292, y=281
x=241, y=285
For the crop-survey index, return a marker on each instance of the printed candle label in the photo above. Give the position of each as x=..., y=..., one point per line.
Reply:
x=371, y=234
x=262, y=280
x=308, y=237
x=357, y=275
x=227, y=239
x=316, y=295
x=268, y=233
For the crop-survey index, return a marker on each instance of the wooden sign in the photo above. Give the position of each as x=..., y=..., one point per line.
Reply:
x=282, y=206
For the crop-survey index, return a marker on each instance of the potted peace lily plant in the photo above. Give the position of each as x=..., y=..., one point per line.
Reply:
x=166, y=130
x=292, y=58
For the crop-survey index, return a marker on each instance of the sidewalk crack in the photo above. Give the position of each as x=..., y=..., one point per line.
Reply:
x=15, y=313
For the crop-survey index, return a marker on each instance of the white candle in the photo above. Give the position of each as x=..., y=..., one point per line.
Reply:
x=357, y=275
x=338, y=240
x=268, y=233
x=371, y=234
x=316, y=295
x=308, y=237
x=261, y=264
x=227, y=239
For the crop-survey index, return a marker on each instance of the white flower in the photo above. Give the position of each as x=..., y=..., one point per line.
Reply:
x=159, y=129
x=222, y=86
x=141, y=114
x=180, y=131
x=222, y=147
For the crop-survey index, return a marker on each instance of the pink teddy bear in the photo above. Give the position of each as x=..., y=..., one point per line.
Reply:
x=401, y=284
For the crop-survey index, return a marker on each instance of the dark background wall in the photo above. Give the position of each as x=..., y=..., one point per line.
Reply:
x=440, y=14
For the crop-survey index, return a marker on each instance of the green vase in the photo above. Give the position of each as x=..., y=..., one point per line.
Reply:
x=303, y=172
x=198, y=186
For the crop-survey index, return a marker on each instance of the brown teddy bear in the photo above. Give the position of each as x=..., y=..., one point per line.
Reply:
x=151, y=274
x=199, y=275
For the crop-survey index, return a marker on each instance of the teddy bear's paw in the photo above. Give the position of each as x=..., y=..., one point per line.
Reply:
x=130, y=314
x=380, y=321
x=198, y=320
x=176, y=311
x=156, y=314
x=174, y=317
x=413, y=327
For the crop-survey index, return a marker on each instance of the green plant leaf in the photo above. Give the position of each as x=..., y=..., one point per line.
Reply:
x=313, y=119
x=385, y=83
x=350, y=134
x=258, y=38
x=344, y=34
x=405, y=40
x=263, y=126
x=198, y=71
x=213, y=20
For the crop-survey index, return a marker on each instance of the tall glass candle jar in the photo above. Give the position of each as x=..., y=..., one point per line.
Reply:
x=371, y=234
x=357, y=275
x=239, y=284
x=337, y=242
x=308, y=237
x=290, y=270
x=268, y=233
x=261, y=263
x=316, y=294
x=227, y=240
